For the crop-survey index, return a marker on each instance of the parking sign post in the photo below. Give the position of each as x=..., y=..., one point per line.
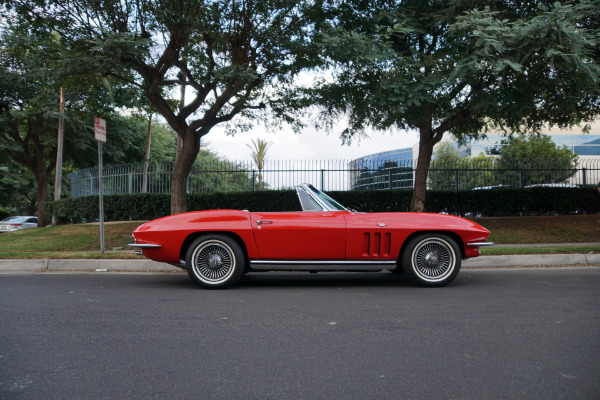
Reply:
x=100, y=135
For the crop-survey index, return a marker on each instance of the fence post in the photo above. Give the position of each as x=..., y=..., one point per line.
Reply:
x=322, y=179
x=253, y=180
x=583, y=171
x=520, y=178
x=390, y=179
x=130, y=183
x=456, y=180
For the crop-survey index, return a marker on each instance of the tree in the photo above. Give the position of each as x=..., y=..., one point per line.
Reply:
x=232, y=56
x=536, y=160
x=460, y=66
x=31, y=75
x=444, y=167
x=448, y=171
x=17, y=189
x=259, y=153
x=25, y=91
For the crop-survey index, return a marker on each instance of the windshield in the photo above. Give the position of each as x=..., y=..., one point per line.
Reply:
x=13, y=219
x=331, y=203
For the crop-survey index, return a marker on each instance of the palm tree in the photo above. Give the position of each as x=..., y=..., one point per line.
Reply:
x=259, y=153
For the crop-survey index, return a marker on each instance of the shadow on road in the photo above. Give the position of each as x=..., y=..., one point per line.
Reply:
x=321, y=279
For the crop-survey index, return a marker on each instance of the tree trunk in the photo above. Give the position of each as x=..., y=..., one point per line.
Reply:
x=181, y=171
x=42, y=179
x=426, y=144
x=147, y=156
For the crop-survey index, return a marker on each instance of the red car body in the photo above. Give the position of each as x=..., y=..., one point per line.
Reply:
x=328, y=239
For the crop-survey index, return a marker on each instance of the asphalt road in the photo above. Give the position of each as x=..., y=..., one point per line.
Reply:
x=492, y=334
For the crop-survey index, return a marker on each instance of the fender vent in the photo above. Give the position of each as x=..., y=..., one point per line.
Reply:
x=377, y=244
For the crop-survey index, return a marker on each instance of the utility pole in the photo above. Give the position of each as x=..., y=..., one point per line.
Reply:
x=59, y=152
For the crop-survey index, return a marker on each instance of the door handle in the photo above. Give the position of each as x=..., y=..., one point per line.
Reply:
x=260, y=222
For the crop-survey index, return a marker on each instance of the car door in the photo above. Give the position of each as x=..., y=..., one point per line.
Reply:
x=303, y=235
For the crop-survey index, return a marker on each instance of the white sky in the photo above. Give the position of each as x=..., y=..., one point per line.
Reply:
x=308, y=145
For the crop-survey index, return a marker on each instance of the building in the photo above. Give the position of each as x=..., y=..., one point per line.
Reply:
x=386, y=170
x=394, y=169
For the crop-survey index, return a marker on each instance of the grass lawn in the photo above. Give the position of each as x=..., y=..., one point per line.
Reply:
x=68, y=241
x=83, y=241
x=551, y=229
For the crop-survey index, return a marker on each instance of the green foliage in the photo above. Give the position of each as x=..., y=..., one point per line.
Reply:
x=466, y=67
x=17, y=189
x=441, y=174
x=540, y=147
x=459, y=67
x=448, y=171
x=152, y=205
x=493, y=202
x=236, y=58
x=536, y=147
x=32, y=71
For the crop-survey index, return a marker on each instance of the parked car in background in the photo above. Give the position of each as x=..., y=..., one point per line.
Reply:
x=17, y=223
x=217, y=246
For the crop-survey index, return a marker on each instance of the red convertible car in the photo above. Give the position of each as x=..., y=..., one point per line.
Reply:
x=217, y=247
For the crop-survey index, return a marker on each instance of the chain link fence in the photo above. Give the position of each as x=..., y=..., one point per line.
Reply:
x=338, y=175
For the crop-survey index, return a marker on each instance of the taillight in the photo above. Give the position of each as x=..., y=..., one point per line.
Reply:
x=15, y=224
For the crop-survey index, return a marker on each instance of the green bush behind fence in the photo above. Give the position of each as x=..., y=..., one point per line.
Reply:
x=493, y=202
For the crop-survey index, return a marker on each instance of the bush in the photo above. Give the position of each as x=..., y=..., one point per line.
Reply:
x=493, y=202
x=3, y=213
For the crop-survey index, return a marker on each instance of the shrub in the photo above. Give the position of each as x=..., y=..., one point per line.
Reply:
x=493, y=202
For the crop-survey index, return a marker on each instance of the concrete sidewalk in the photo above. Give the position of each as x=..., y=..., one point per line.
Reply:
x=143, y=265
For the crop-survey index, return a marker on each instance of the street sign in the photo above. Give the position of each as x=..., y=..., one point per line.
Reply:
x=100, y=129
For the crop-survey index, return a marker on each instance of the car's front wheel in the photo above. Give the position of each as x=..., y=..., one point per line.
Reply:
x=432, y=259
x=215, y=261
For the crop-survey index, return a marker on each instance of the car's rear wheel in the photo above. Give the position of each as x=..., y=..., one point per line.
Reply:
x=215, y=261
x=432, y=259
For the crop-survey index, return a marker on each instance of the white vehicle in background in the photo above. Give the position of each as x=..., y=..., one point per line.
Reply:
x=17, y=223
x=565, y=185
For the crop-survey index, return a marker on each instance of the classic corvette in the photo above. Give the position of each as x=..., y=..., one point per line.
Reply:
x=217, y=247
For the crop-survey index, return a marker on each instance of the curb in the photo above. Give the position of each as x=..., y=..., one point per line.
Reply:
x=31, y=266
x=532, y=260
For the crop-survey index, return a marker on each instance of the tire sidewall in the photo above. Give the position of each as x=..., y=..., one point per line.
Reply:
x=238, y=260
x=410, y=268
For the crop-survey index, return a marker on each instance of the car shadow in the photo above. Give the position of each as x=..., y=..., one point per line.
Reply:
x=321, y=279
x=307, y=280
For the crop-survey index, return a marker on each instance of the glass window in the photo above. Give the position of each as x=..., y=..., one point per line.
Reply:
x=331, y=203
x=308, y=204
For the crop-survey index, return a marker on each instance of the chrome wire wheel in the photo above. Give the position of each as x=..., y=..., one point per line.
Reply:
x=433, y=260
x=213, y=262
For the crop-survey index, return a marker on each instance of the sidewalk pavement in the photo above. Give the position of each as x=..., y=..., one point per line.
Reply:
x=31, y=266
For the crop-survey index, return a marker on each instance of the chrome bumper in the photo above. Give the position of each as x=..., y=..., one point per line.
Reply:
x=480, y=244
x=140, y=246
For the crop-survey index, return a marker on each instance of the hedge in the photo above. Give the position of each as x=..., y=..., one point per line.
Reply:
x=493, y=202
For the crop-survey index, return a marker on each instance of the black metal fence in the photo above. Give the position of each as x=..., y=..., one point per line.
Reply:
x=227, y=176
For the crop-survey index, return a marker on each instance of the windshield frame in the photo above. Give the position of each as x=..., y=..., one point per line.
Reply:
x=323, y=200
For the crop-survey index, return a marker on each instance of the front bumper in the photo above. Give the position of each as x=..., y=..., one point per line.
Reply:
x=140, y=246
